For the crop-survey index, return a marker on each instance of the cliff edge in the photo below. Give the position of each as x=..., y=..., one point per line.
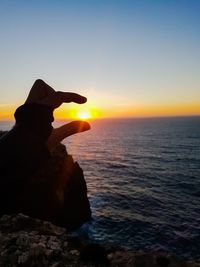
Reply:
x=28, y=242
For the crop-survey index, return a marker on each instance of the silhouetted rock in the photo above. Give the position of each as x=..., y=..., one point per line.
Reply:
x=94, y=254
x=2, y=133
x=56, y=193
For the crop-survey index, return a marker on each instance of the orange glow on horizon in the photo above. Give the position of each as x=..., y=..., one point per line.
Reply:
x=139, y=111
x=90, y=112
x=78, y=112
x=7, y=112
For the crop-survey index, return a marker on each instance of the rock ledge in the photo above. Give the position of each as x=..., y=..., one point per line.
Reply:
x=28, y=242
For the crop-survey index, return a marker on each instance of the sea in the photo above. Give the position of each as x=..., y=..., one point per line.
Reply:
x=143, y=179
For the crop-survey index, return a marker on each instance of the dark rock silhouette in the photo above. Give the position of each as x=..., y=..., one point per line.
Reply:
x=94, y=254
x=57, y=192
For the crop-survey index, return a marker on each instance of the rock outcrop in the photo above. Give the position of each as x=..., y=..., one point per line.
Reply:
x=57, y=192
x=28, y=242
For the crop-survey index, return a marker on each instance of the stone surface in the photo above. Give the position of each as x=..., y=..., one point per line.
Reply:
x=28, y=242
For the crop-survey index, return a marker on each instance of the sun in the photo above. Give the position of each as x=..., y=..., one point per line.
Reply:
x=78, y=112
x=84, y=115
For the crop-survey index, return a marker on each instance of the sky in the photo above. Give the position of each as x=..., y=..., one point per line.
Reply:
x=129, y=58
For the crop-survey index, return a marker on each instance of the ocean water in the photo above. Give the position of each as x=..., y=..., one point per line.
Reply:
x=143, y=178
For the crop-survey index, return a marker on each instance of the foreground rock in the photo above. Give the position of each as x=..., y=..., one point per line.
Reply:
x=28, y=242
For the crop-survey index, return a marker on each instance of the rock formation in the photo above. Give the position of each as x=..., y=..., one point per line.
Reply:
x=56, y=193
x=28, y=242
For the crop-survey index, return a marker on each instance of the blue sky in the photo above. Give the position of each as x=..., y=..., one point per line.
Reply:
x=122, y=54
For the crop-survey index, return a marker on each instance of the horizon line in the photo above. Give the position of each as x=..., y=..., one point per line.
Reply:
x=118, y=118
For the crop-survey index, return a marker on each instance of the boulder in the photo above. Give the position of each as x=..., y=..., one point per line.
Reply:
x=25, y=241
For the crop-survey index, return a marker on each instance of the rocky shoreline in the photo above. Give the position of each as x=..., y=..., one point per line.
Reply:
x=29, y=242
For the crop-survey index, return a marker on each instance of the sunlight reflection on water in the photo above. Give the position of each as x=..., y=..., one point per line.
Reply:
x=136, y=171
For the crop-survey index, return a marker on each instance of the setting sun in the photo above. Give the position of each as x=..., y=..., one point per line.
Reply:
x=73, y=111
x=85, y=114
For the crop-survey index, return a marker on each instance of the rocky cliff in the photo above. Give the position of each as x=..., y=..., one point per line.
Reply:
x=56, y=192
x=28, y=242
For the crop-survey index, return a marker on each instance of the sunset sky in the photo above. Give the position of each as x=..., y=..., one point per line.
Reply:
x=129, y=58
